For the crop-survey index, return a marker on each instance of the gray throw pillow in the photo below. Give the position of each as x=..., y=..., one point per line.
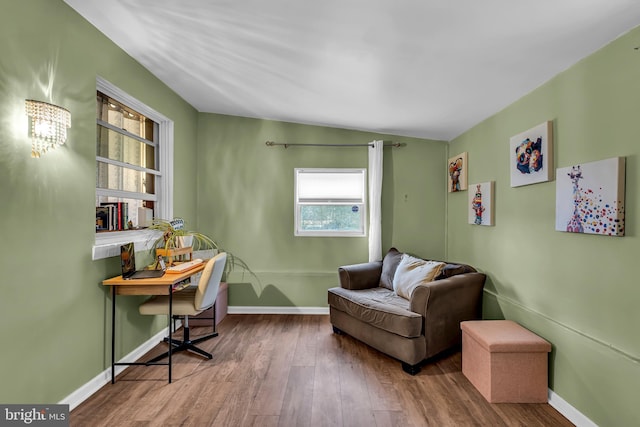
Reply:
x=389, y=266
x=450, y=270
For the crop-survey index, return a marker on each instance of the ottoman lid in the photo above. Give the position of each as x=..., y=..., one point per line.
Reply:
x=504, y=336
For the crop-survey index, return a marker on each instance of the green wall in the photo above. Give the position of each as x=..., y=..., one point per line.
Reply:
x=245, y=201
x=577, y=291
x=54, y=310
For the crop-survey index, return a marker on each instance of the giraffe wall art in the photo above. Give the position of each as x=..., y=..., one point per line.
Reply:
x=590, y=197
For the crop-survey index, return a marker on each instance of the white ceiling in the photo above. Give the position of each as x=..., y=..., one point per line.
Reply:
x=424, y=68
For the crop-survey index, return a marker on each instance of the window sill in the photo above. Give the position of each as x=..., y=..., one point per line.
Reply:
x=108, y=244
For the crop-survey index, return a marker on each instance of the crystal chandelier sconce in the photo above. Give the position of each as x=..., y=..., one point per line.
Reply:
x=48, y=126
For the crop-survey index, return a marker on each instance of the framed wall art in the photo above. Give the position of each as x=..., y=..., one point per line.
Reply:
x=480, y=205
x=531, y=155
x=457, y=168
x=590, y=197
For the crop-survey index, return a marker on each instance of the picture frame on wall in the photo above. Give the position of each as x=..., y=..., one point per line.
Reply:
x=590, y=198
x=531, y=155
x=480, y=207
x=457, y=168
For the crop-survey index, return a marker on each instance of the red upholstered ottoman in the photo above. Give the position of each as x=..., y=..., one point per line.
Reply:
x=504, y=361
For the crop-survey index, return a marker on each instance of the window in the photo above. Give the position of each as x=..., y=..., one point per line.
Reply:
x=134, y=166
x=330, y=202
x=126, y=165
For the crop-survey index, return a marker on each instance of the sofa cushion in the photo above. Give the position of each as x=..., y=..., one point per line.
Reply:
x=378, y=307
x=412, y=272
x=389, y=265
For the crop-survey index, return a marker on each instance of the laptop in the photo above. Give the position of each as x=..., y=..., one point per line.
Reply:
x=128, y=263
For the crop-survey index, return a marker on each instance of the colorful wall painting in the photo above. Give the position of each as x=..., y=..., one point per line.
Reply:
x=531, y=155
x=480, y=205
x=590, y=197
x=457, y=168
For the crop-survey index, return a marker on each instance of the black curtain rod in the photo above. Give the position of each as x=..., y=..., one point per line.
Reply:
x=287, y=145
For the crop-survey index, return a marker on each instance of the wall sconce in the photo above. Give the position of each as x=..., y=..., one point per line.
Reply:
x=48, y=126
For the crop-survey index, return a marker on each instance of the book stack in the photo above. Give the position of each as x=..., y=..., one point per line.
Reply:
x=112, y=216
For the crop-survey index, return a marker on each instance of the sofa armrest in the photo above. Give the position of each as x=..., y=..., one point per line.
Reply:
x=360, y=276
x=445, y=303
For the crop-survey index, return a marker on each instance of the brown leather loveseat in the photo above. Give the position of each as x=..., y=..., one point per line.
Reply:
x=409, y=325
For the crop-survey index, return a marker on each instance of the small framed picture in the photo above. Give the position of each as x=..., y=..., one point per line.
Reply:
x=531, y=155
x=457, y=169
x=162, y=266
x=480, y=205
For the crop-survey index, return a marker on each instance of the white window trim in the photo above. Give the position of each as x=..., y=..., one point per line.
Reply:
x=108, y=244
x=301, y=233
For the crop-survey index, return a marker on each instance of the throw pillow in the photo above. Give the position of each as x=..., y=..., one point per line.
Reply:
x=412, y=272
x=389, y=265
x=450, y=270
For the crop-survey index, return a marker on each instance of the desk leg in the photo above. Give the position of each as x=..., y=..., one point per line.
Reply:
x=113, y=334
x=170, y=317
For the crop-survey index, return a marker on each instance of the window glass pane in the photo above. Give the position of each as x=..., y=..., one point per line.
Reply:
x=116, y=146
x=107, y=219
x=330, y=218
x=330, y=185
x=123, y=117
x=114, y=177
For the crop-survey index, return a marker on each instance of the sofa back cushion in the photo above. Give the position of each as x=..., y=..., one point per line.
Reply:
x=389, y=265
x=412, y=272
x=393, y=257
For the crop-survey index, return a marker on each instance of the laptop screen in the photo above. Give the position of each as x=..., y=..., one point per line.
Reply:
x=127, y=259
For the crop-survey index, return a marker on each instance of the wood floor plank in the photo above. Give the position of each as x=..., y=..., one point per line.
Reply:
x=326, y=410
x=306, y=345
x=205, y=407
x=416, y=404
x=390, y=419
x=382, y=392
x=235, y=411
x=354, y=394
x=264, y=421
x=288, y=370
x=529, y=415
x=270, y=395
x=298, y=398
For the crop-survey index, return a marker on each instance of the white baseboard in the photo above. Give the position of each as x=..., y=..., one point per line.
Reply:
x=104, y=378
x=236, y=309
x=569, y=412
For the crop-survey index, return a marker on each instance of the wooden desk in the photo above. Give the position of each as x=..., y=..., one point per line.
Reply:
x=156, y=286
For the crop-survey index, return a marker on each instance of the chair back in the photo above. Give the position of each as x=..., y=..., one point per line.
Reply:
x=210, y=282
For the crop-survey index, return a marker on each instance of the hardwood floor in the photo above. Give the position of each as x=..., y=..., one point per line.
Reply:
x=291, y=370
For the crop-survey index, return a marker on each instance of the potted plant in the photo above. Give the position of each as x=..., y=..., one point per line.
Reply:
x=175, y=236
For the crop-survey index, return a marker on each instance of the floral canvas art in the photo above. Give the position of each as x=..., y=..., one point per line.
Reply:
x=590, y=197
x=531, y=155
x=480, y=205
